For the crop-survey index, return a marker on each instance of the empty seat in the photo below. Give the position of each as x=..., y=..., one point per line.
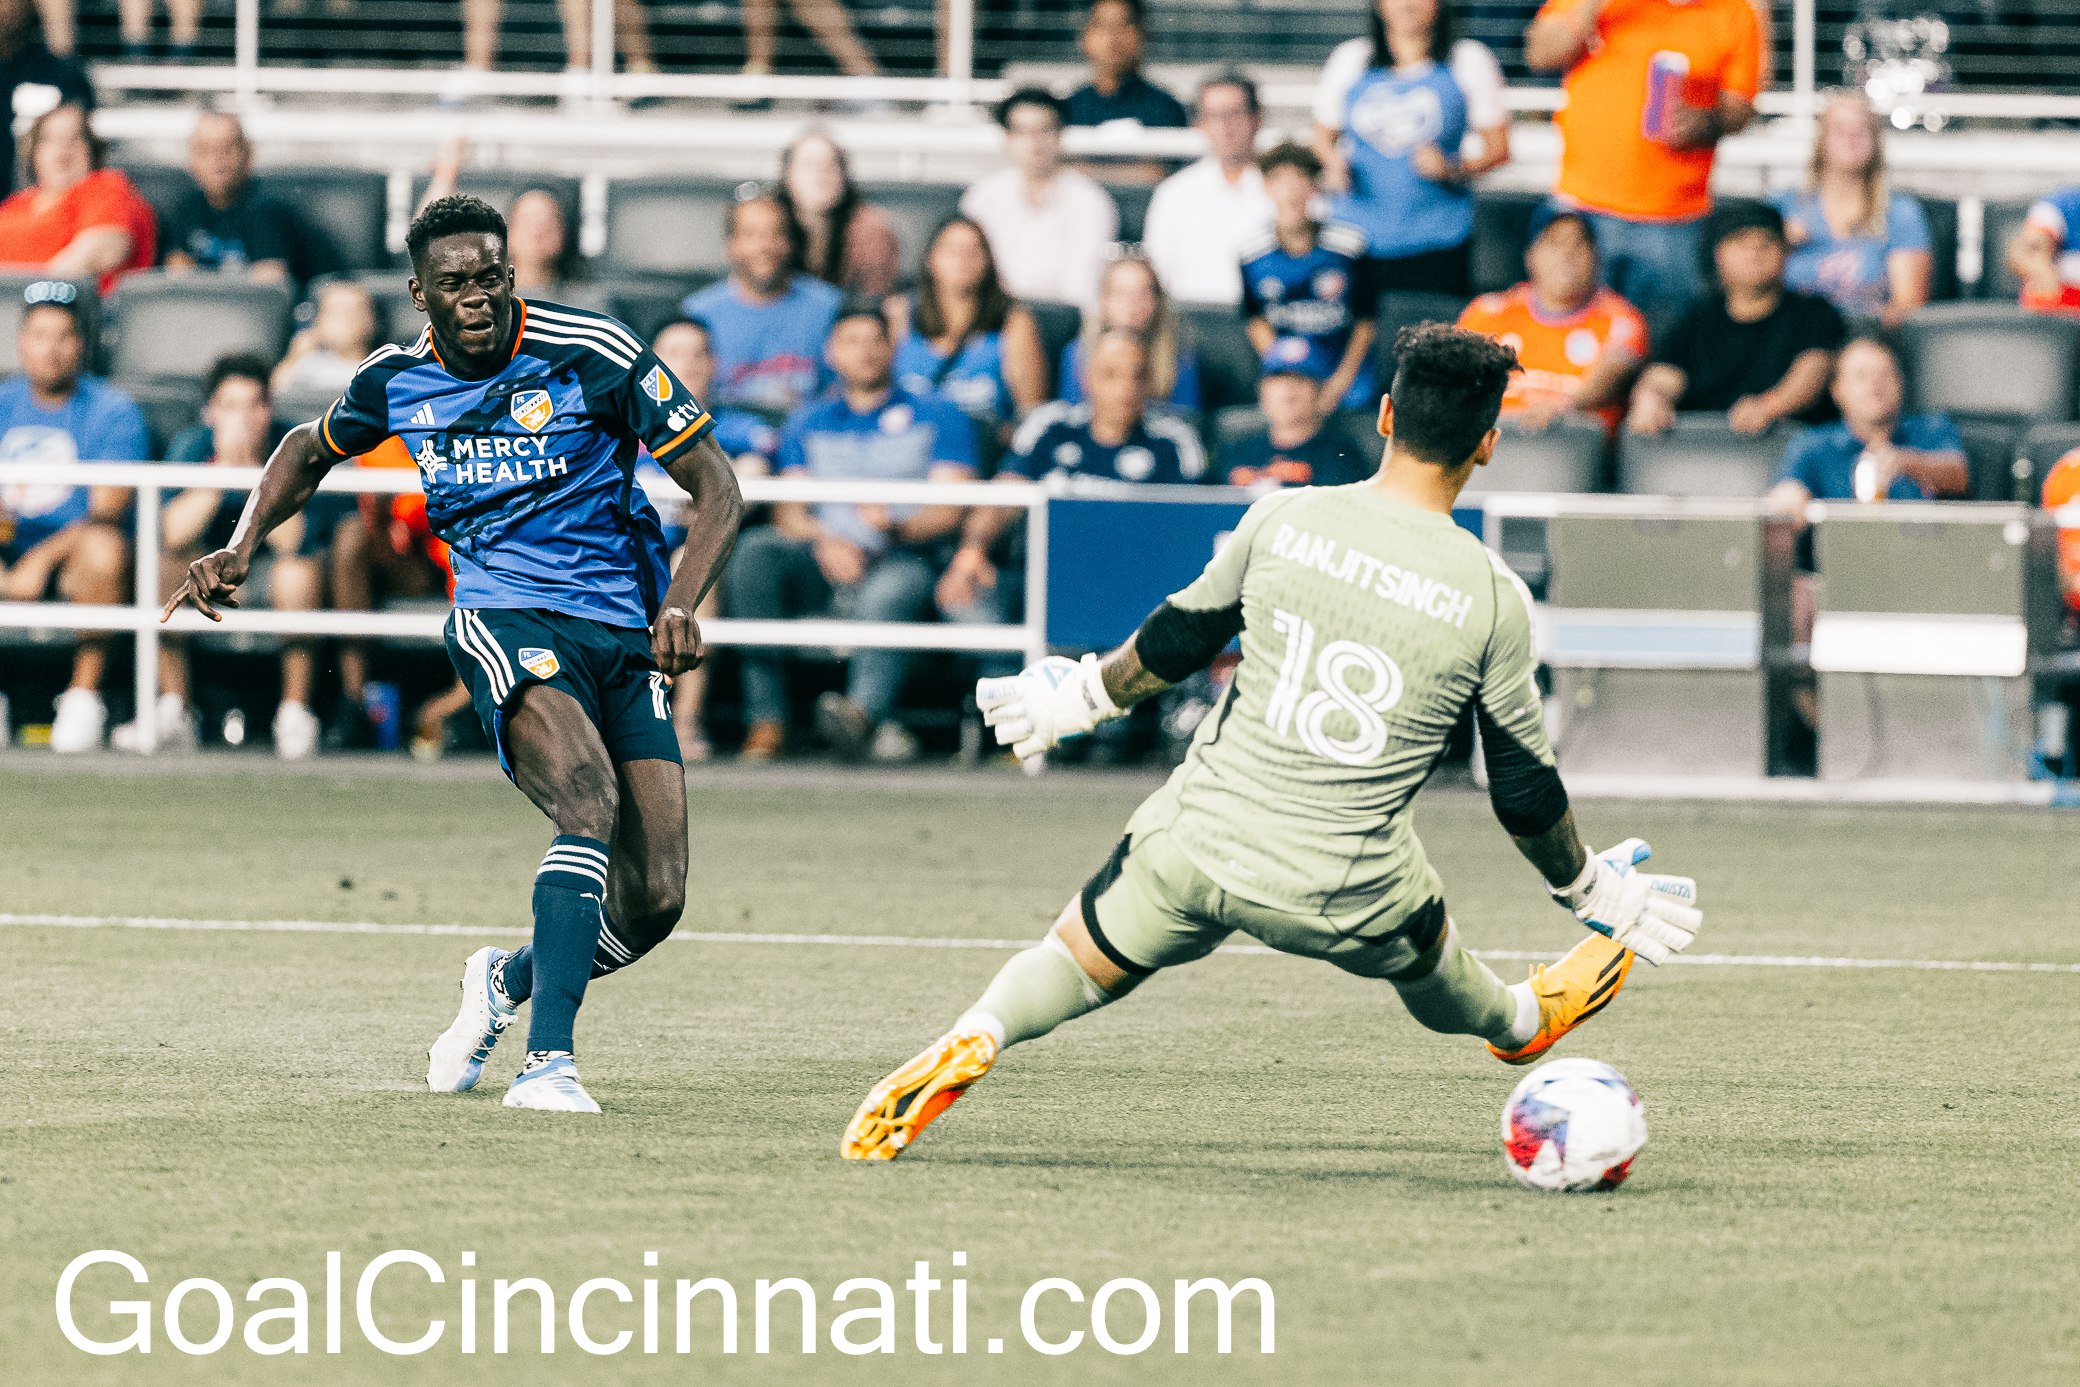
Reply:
x=12, y=308
x=348, y=208
x=1132, y=200
x=163, y=186
x=500, y=187
x=644, y=307
x=1500, y=223
x=396, y=320
x=1231, y=426
x=170, y=406
x=1565, y=456
x=669, y=226
x=1228, y=362
x=1990, y=359
x=1990, y=449
x=1942, y=238
x=1400, y=308
x=1700, y=456
x=1058, y=324
x=916, y=209
x=2002, y=221
x=176, y=326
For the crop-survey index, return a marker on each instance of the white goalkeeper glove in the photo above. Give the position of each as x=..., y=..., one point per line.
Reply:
x=1045, y=704
x=1654, y=916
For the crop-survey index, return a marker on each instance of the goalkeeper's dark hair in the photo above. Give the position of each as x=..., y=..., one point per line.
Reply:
x=456, y=215
x=1448, y=386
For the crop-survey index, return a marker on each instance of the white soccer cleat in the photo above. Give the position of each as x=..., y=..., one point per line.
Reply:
x=77, y=727
x=295, y=732
x=456, y=1061
x=552, y=1088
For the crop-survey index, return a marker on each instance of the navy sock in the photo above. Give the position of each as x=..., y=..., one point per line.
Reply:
x=619, y=947
x=513, y=975
x=569, y=896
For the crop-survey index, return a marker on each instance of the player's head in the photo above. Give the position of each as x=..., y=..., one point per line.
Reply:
x=1033, y=118
x=760, y=245
x=220, y=158
x=1292, y=177
x=1746, y=245
x=1115, y=376
x=1112, y=37
x=461, y=278
x=687, y=348
x=1561, y=256
x=1868, y=387
x=860, y=348
x=51, y=341
x=237, y=405
x=1448, y=386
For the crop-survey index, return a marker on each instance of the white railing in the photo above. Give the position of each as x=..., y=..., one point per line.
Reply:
x=150, y=482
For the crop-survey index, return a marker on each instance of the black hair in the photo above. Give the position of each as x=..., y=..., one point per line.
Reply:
x=1731, y=218
x=1448, y=386
x=1234, y=77
x=1134, y=12
x=1441, y=37
x=831, y=268
x=862, y=306
x=455, y=215
x=1291, y=156
x=1031, y=96
x=992, y=304
x=238, y=366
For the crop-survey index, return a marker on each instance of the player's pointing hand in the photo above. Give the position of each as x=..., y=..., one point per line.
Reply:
x=213, y=578
x=675, y=641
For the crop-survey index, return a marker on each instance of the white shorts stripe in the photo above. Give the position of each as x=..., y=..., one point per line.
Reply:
x=465, y=636
x=491, y=647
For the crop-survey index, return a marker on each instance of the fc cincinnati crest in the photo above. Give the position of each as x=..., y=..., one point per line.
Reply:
x=532, y=408
x=539, y=662
x=657, y=385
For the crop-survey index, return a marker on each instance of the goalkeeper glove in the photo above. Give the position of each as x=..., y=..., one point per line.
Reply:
x=1045, y=704
x=1654, y=916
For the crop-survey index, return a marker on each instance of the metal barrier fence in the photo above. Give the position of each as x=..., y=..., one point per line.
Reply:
x=151, y=482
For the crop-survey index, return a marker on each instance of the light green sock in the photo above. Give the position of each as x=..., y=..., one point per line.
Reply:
x=1036, y=991
x=1462, y=996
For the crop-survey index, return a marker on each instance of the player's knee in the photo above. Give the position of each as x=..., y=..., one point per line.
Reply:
x=587, y=803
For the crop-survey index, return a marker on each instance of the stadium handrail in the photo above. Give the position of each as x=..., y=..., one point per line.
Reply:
x=152, y=480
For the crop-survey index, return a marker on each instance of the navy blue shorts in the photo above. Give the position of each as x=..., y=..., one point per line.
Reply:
x=608, y=669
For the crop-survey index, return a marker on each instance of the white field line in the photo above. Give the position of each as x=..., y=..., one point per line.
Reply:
x=913, y=942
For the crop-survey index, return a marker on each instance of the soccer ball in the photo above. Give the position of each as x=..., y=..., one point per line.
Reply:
x=1573, y=1125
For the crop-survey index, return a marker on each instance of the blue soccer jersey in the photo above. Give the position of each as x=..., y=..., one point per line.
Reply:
x=530, y=474
x=1319, y=296
x=1055, y=445
x=903, y=440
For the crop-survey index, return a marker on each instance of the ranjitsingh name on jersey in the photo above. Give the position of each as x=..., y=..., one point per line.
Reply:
x=1399, y=585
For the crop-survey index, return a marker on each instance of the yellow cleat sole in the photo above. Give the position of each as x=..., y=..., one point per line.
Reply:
x=901, y=1106
x=1570, y=992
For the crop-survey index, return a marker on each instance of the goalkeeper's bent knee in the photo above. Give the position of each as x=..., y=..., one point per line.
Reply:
x=1461, y=996
x=1032, y=994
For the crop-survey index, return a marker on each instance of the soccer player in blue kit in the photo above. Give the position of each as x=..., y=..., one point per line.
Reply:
x=525, y=419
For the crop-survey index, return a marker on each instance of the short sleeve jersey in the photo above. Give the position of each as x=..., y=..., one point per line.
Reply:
x=530, y=473
x=1852, y=272
x=2057, y=214
x=1320, y=296
x=1651, y=56
x=1368, y=628
x=1557, y=350
x=2062, y=488
x=99, y=423
x=902, y=441
x=767, y=355
x=1055, y=445
x=1326, y=459
x=104, y=198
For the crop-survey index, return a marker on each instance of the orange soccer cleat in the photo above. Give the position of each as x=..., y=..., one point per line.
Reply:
x=1570, y=992
x=902, y=1105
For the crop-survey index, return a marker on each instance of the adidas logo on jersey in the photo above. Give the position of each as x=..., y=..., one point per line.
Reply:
x=1402, y=586
x=423, y=416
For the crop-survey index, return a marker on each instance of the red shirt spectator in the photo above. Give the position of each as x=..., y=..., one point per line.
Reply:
x=78, y=218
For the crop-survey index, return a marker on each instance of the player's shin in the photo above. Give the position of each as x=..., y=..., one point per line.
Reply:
x=1036, y=991
x=568, y=891
x=1460, y=995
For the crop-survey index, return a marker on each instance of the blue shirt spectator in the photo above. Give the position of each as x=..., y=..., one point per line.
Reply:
x=1824, y=460
x=1853, y=271
x=1874, y=453
x=903, y=440
x=972, y=378
x=768, y=323
x=1184, y=387
x=1297, y=447
x=1132, y=299
x=1318, y=296
x=96, y=423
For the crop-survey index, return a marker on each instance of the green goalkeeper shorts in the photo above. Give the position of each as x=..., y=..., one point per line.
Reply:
x=1151, y=907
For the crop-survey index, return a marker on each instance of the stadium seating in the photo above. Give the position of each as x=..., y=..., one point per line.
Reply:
x=163, y=185
x=1990, y=452
x=501, y=187
x=1399, y=309
x=396, y=320
x=1567, y=455
x=1996, y=280
x=1992, y=361
x=916, y=209
x=1500, y=221
x=643, y=307
x=349, y=208
x=1942, y=235
x=170, y=405
x=11, y=287
x=1228, y=363
x=2040, y=448
x=173, y=326
x=668, y=226
x=1700, y=456
x=1058, y=324
x=1132, y=200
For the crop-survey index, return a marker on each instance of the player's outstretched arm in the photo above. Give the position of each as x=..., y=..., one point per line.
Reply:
x=711, y=533
x=287, y=484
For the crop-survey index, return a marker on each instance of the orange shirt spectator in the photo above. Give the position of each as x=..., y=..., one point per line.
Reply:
x=1579, y=343
x=2062, y=488
x=1623, y=148
x=78, y=218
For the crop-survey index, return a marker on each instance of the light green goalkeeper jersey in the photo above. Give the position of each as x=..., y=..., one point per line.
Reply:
x=1368, y=627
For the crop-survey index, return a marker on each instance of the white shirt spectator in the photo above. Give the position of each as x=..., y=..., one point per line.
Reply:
x=1052, y=252
x=1197, y=225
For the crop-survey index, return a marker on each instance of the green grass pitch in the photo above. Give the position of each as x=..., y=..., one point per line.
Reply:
x=1854, y=1176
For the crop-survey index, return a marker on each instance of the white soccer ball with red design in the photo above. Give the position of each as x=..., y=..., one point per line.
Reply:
x=1573, y=1125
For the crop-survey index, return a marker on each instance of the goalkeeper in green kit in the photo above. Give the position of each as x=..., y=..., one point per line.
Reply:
x=1369, y=621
